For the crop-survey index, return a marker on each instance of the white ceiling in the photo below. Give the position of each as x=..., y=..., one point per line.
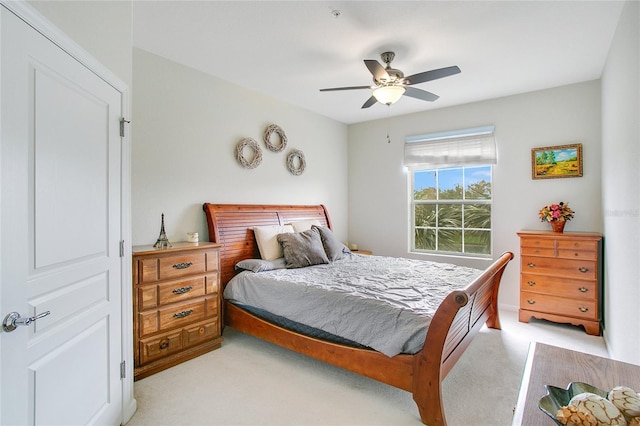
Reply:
x=291, y=49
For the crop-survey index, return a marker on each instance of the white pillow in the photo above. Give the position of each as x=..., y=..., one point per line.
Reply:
x=304, y=225
x=267, y=242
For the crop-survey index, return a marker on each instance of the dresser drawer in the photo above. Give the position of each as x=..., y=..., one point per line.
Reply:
x=200, y=332
x=168, y=267
x=181, y=314
x=537, y=251
x=537, y=242
x=160, y=346
x=176, y=291
x=177, y=315
x=180, y=266
x=581, y=269
x=152, y=296
x=579, y=245
x=577, y=254
x=558, y=286
x=584, y=309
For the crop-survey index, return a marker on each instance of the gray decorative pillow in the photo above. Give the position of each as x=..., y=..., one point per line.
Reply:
x=261, y=265
x=333, y=247
x=302, y=248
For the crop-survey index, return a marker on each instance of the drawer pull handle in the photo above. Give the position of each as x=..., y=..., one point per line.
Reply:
x=183, y=314
x=583, y=289
x=531, y=301
x=583, y=269
x=583, y=309
x=182, y=290
x=531, y=265
x=531, y=283
x=164, y=344
x=183, y=265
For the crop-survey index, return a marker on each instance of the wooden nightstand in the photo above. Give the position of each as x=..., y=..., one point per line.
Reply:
x=367, y=252
x=176, y=304
x=561, y=278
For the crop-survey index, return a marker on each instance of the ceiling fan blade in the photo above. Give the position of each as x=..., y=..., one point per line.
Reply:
x=377, y=70
x=432, y=75
x=333, y=89
x=414, y=92
x=372, y=100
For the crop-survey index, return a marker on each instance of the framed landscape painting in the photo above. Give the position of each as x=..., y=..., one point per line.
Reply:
x=561, y=161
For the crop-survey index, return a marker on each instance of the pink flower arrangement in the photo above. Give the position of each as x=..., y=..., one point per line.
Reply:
x=556, y=212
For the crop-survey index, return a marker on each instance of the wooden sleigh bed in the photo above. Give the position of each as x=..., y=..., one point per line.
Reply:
x=457, y=320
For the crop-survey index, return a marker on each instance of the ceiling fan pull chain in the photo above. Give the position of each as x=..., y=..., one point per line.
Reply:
x=388, y=124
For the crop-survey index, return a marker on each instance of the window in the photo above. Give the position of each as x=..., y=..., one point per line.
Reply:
x=450, y=189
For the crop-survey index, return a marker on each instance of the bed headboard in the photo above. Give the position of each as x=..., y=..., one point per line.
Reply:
x=232, y=226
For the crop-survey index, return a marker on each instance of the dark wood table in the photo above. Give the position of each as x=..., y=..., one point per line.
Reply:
x=551, y=365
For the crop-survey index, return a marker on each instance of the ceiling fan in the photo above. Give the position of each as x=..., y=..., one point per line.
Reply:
x=390, y=83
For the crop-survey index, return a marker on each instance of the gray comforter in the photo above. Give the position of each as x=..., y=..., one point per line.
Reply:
x=381, y=302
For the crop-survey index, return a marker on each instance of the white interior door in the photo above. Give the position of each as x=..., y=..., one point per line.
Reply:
x=60, y=230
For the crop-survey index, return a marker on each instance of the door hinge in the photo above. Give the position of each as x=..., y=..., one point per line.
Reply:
x=122, y=121
x=122, y=248
x=123, y=369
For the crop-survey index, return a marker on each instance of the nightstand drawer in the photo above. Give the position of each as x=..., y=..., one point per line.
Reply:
x=559, y=286
x=559, y=305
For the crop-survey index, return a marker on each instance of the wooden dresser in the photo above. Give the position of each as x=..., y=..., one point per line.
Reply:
x=561, y=278
x=176, y=304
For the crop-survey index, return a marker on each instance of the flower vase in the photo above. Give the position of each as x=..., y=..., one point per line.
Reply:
x=558, y=225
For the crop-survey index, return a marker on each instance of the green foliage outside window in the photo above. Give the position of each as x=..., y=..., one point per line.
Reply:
x=452, y=210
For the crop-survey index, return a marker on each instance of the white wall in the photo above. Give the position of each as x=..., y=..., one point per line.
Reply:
x=102, y=28
x=378, y=203
x=621, y=187
x=186, y=125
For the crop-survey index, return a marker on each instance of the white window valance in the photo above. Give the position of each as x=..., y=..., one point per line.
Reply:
x=448, y=149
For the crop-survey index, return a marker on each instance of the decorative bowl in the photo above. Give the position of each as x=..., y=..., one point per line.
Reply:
x=558, y=397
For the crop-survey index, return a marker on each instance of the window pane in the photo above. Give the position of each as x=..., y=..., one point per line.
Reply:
x=425, y=239
x=425, y=215
x=477, y=182
x=477, y=216
x=450, y=215
x=424, y=185
x=450, y=240
x=450, y=184
x=449, y=204
x=477, y=242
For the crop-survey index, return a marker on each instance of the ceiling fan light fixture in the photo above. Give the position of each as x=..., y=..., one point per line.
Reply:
x=388, y=94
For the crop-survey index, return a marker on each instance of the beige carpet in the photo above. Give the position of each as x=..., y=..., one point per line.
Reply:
x=251, y=382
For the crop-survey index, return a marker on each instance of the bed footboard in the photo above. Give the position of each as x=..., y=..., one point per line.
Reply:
x=458, y=319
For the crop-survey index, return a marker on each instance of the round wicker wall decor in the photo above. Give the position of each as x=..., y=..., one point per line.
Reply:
x=274, y=128
x=291, y=162
x=257, y=153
